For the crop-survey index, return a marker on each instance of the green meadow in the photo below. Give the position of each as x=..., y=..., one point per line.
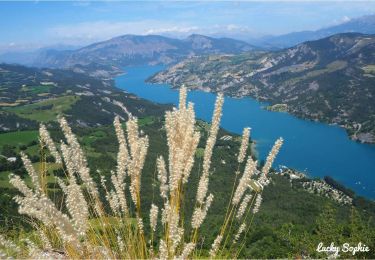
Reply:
x=18, y=138
x=37, y=89
x=46, y=110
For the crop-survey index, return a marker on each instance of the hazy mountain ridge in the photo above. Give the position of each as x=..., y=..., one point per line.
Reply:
x=61, y=55
x=364, y=24
x=132, y=49
x=330, y=80
x=29, y=57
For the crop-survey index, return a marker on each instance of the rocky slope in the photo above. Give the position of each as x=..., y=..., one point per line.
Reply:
x=330, y=80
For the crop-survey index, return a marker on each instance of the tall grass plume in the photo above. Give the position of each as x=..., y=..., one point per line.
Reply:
x=105, y=220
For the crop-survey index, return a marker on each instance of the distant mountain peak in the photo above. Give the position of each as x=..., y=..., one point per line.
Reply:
x=196, y=35
x=364, y=24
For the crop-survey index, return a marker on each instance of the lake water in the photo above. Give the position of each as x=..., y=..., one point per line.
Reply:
x=316, y=148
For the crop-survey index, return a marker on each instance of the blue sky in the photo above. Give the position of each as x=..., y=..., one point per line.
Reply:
x=27, y=25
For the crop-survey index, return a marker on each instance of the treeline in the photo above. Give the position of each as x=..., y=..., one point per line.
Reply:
x=358, y=201
x=338, y=186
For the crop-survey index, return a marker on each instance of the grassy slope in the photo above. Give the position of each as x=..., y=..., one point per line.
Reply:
x=46, y=110
x=18, y=138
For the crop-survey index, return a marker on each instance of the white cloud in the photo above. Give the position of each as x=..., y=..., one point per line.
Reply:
x=174, y=29
x=343, y=19
x=101, y=30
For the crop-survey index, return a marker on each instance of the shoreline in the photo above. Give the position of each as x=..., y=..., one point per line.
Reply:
x=146, y=82
x=362, y=138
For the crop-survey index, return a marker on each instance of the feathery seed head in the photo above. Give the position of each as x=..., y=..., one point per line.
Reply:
x=244, y=144
x=245, y=180
x=140, y=224
x=183, y=95
x=46, y=139
x=258, y=202
x=272, y=155
x=154, y=217
x=182, y=140
x=32, y=173
x=215, y=124
x=200, y=213
x=74, y=156
x=239, y=232
x=162, y=177
x=243, y=206
x=215, y=245
x=163, y=250
x=188, y=249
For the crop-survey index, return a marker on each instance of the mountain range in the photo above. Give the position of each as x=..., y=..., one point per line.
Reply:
x=28, y=57
x=132, y=49
x=364, y=24
x=330, y=80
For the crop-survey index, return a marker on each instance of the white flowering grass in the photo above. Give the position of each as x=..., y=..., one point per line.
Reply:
x=111, y=225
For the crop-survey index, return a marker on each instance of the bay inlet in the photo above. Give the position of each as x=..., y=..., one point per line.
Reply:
x=315, y=148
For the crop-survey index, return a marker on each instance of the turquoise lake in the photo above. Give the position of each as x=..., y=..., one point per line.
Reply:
x=315, y=148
